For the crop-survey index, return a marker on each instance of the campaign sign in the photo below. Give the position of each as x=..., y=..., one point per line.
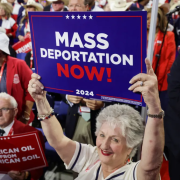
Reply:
x=21, y=152
x=90, y=54
x=23, y=46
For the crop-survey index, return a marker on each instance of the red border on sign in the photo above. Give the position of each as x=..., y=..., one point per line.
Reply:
x=97, y=17
x=59, y=89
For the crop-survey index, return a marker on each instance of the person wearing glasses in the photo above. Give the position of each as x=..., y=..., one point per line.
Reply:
x=14, y=79
x=10, y=126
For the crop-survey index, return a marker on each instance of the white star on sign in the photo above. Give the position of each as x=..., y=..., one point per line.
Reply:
x=78, y=16
x=84, y=17
x=90, y=17
x=67, y=17
x=73, y=16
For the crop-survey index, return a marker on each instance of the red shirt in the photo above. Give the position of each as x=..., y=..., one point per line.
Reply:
x=167, y=57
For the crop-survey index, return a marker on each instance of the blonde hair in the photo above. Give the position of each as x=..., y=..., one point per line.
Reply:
x=8, y=8
x=25, y=17
x=162, y=19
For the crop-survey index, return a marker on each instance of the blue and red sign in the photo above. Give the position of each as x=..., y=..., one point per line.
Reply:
x=90, y=54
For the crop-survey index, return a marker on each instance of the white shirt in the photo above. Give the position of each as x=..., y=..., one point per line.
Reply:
x=86, y=162
x=97, y=8
x=16, y=8
x=6, y=129
x=8, y=23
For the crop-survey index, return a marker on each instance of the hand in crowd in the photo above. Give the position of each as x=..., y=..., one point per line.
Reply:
x=16, y=175
x=148, y=86
x=9, y=35
x=35, y=88
x=94, y=104
x=23, y=120
x=74, y=99
x=21, y=38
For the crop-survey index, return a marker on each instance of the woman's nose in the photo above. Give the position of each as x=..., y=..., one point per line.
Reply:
x=105, y=144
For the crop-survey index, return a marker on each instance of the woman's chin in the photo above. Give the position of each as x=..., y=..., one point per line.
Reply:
x=105, y=161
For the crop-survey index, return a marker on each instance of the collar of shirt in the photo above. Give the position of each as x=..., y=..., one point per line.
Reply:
x=8, y=128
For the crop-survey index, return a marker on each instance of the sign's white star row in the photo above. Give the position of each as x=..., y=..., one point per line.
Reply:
x=78, y=17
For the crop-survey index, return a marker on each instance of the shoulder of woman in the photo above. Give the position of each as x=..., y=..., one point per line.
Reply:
x=170, y=34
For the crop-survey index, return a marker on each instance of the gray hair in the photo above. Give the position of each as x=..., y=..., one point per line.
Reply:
x=126, y=118
x=10, y=98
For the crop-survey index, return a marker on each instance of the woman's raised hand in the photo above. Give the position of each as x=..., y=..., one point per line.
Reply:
x=35, y=88
x=147, y=85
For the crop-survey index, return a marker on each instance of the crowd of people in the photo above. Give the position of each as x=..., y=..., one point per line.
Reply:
x=101, y=143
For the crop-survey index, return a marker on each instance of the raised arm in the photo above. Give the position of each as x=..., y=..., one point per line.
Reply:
x=153, y=143
x=64, y=146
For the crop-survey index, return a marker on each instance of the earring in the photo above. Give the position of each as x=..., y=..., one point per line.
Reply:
x=127, y=159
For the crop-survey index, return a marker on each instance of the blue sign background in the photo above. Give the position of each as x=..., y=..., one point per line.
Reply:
x=126, y=35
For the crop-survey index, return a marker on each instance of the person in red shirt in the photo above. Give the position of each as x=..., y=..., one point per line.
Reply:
x=14, y=79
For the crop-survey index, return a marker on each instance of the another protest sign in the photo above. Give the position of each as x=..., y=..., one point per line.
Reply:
x=21, y=152
x=23, y=46
x=90, y=54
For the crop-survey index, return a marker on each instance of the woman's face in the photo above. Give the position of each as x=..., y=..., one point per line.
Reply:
x=111, y=146
x=2, y=11
x=30, y=8
x=149, y=21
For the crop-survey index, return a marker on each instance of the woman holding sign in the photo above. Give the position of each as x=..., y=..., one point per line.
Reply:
x=119, y=131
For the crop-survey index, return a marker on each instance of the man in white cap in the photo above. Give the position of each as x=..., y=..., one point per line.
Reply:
x=14, y=79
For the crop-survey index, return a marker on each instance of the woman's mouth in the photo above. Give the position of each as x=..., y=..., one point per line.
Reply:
x=106, y=153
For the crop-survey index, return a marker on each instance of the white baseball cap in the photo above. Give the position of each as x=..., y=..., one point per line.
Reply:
x=4, y=43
